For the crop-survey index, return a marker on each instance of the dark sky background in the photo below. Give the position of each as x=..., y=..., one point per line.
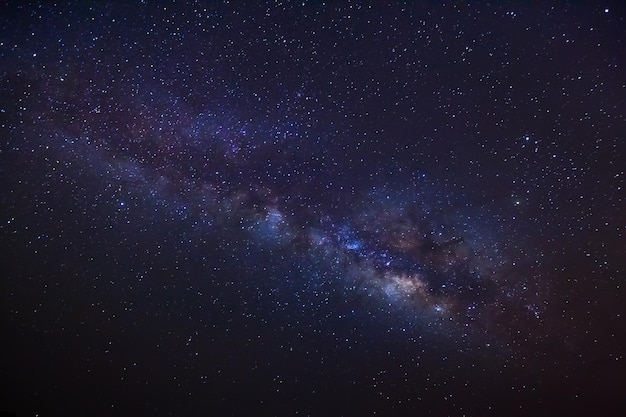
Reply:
x=307, y=208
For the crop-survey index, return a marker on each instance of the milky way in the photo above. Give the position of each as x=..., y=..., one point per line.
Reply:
x=323, y=209
x=405, y=248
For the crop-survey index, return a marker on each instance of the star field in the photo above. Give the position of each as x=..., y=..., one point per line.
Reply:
x=308, y=208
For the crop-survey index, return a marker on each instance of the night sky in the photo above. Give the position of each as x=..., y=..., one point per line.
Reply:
x=307, y=208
